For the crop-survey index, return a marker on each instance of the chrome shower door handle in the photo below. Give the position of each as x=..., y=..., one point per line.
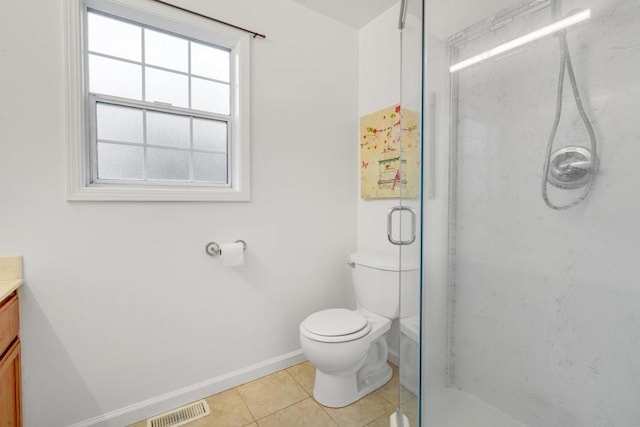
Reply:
x=390, y=225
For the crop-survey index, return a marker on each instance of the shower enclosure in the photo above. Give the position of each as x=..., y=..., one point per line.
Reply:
x=410, y=25
x=531, y=305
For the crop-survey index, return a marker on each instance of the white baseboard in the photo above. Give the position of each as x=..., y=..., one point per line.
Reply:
x=166, y=402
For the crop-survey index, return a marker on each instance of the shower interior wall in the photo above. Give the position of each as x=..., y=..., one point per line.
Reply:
x=435, y=210
x=546, y=319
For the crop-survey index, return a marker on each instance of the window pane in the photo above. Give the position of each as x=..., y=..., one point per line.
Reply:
x=210, y=167
x=166, y=51
x=113, y=37
x=112, y=77
x=207, y=61
x=167, y=164
x=119, y=161
x=168, y=129
x=165, y=86
x=117, y=123
x=210, y=96
x=209, y=135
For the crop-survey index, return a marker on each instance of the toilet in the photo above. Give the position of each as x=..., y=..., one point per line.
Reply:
x=349, y=347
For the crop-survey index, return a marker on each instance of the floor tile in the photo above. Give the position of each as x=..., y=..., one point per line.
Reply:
x=405, y=394
x=362, y=412
x=269, y=394
x=305, y=374
x=227, y=410
x=410, y=409
x=383, y=421
x=303, y=414
x=390, y=390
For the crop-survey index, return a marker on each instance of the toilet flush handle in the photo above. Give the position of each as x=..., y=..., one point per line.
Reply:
x=351, y=264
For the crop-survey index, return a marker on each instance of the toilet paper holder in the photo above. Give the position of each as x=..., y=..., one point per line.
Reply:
x=213, y=249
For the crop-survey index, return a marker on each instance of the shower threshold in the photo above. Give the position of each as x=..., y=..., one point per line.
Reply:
x=454, y=408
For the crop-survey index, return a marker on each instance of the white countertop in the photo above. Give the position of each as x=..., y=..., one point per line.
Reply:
x=10, y=275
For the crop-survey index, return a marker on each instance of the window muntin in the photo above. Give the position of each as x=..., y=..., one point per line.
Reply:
x=154, y=97
x=136, y=143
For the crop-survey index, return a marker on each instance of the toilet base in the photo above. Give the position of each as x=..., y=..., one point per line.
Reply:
x=336, y=391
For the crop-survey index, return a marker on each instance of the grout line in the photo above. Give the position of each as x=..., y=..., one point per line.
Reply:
x=281, y=409
x=311, y=396
x=245, y=403
x=297, y=382
x=384, y=398
x=332, y=419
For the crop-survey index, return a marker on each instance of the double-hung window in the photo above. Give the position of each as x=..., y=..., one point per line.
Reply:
x=158, y=104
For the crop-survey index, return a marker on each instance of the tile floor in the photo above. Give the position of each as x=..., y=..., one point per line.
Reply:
x=283, y=399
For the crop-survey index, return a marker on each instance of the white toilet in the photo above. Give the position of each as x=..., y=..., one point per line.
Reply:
x=349, y=347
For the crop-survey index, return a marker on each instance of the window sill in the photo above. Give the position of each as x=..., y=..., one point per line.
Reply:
x=160, y=194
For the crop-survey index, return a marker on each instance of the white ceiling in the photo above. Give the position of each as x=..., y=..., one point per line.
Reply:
x=449, y=16
x=355, y=13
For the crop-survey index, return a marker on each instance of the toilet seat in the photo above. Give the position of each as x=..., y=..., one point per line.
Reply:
x=335, y=325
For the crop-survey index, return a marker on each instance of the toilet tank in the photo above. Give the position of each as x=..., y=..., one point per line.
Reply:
x=376, y=280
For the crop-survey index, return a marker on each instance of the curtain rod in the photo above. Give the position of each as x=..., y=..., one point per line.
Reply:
x=262, y=36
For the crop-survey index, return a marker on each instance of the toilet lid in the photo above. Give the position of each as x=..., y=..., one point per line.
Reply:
x=334, y=322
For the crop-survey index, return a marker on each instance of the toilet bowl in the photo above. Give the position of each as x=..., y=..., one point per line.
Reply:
x=349, y=347
x=349, y=350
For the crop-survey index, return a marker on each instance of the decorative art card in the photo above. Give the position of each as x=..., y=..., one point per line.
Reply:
x=390, y=154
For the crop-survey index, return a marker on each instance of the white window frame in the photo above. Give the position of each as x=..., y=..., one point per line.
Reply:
x=80, y=182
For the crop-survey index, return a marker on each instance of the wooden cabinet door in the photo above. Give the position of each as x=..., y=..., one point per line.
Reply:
x=10, y=392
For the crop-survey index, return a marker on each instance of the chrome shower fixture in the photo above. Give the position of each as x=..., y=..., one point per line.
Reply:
x=571, y=167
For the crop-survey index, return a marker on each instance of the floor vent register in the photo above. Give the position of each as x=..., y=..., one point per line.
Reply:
x=180, y=416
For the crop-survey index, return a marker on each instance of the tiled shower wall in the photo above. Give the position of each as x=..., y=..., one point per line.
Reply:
x=547, y=325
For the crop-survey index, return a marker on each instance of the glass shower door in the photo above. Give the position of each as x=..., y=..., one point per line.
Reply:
x=409, y=211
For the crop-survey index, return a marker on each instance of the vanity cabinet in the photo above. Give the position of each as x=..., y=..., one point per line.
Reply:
x=10, y=385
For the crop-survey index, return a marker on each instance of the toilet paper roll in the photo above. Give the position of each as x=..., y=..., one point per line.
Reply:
x=232, y=254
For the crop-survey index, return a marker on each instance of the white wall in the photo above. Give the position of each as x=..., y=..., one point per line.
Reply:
x=120, y=303
x=547, y=302
x=381, y=69
x=379, y=87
